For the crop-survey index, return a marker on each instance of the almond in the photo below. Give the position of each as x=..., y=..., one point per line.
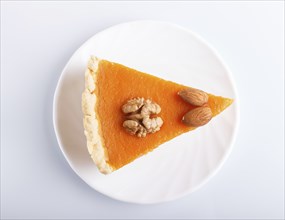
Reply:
x=194, y=96
x=197, y=117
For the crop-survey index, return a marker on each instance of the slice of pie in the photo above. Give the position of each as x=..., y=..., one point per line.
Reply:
x=128, y=113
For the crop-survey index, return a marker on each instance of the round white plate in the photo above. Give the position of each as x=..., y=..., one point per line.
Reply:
x=177, y=167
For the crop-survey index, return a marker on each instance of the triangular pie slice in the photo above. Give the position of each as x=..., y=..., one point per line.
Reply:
x=108, y=86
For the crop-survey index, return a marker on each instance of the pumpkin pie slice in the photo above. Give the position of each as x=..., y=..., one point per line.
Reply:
x=128, y=113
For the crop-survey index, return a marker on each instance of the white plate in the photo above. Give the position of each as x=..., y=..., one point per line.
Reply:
x=177, y=167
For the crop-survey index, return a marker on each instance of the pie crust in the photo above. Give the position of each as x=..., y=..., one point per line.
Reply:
x=91, y=125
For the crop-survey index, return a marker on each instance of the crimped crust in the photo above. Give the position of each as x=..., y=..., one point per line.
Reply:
x=91, y=124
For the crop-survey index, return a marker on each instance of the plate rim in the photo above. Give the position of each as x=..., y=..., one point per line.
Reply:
x=221, y=61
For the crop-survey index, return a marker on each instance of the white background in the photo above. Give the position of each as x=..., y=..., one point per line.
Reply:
x=38, y=38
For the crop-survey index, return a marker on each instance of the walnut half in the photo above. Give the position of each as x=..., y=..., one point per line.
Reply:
x=138, y=121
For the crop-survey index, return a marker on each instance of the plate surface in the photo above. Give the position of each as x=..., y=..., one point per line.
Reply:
x=177, y=167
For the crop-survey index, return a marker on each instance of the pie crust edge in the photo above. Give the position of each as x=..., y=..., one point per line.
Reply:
x=90, y=121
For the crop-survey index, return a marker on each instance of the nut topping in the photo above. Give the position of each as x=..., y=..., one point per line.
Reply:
x=133, y=105
x=134, y=127
x=138, y=111
x=197, y=117
x=194, y=96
